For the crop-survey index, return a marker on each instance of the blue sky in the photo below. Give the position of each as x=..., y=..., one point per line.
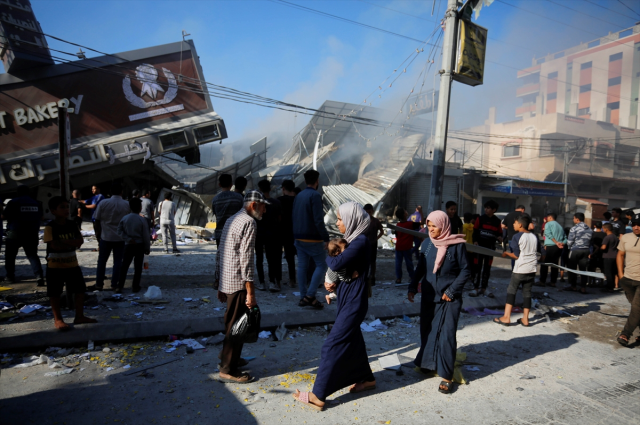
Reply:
x=279, y=52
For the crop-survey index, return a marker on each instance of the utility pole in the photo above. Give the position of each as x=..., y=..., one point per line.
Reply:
x=442, y=119
x=64, y=149
x=565, y=180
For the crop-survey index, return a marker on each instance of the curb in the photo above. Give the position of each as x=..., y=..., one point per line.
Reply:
x=136, y=331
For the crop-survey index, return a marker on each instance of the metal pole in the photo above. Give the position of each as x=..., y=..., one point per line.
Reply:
x=64, y=146
x=442, y=119
x=565, y=180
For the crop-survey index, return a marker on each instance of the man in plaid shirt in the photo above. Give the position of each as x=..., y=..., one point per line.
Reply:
x=234, y=271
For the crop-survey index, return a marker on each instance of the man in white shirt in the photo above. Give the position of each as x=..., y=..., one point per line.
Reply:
x=167, y=210
x=107, y=217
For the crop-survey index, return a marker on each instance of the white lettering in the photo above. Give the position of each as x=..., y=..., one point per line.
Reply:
x=32, y=116
x=42, y=111
x=63, y=103
x=77, y=102
x=18, y=114
x=2, y=124
x=52, y=107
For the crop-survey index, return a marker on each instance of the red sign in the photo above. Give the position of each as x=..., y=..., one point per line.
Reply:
x=105, y=100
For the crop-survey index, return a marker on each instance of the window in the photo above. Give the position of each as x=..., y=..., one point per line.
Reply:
x=614, y=81
x=510, y=151
x=602, y=151
x=585, y=88
x=625, y=33
x=551, y=147
x=613, y=105
x=206, y=133
x=616, y=57
x=530, y=79
x=539, y=61
x=558, y=55
x=553, y=76
x=552, y=96
x=593, y=44
x=585, y=65
x=173, y=140
x=583, y=111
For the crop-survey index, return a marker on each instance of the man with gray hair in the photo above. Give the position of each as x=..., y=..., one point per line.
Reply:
x=234, y=271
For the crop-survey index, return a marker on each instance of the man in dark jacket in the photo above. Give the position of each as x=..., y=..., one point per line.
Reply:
x=23, y=215
x=311, y=238
x=486, y=232
x=268, y=240
x=286, y=202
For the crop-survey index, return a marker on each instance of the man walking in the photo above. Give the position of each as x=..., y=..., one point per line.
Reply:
x=167, y=211
x=92, y=204
x=311, y=238
x=23, y=215
x=554, y=242
x=75, y=209
x=268, y=241
x=107, y=217
x=628, y=261
x=147, y=209
x=225, y=204
x=579, y=241
x=134, y=230
x=286, y=203
x=234, y=271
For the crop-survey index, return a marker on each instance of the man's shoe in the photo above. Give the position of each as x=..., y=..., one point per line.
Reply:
x=41, y=282
x=261, y=286
x=94, y=288
x=166, y=251
x=273, y=287
x=176, y=251
x=9, y=280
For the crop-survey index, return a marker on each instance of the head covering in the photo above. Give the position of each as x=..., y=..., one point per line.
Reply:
x=635, y=221
x=255, y=196
x=355, y=220
x=441, y=220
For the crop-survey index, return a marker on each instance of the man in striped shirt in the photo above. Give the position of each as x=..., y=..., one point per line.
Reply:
x=234, y=271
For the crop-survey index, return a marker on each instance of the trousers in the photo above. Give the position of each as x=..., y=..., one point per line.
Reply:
x=290, y=256
x=132, y=252
x=168, y=229
x=273, y=251
x=406, y=255
x=308, y=251
x=553, y=256
x=578, y=259
x=482, y=268
x=30, y=246
x=103, y=256
x=610, y=269
x=632, y=291
x=231, y=351
x=524, y=279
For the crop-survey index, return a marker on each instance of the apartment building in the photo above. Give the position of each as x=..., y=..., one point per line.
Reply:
x=579, y=111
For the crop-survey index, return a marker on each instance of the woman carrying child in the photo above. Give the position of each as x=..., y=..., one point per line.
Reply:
x=443, y=261
x=344, y=359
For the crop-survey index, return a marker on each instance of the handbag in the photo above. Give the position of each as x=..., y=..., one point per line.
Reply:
x=246, y=329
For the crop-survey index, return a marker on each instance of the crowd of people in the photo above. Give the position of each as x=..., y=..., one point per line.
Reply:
x=253, y=224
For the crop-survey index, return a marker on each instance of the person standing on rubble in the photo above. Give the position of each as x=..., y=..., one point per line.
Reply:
x=628, y=262
x=225, y=204
x=311, y=238
x=92, y=204
x=268, y=241
x=23, y=215
x=234, y=271
x=167, y=211
x=286, y=202
x=147, y=209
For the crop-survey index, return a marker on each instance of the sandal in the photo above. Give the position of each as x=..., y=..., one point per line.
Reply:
x=519, y=321
x=305, y=302
x=243, y=378
x=449, y=385
x=623, y=340
x=353, y=390
x=303, y=397
x=500, y=322
x=317, y=304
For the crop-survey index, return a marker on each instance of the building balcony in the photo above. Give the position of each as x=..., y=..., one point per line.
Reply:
x=528, y=89
x=524, y=109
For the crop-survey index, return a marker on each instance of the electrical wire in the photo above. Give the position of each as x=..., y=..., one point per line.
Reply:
x=617, y=24
x=620, y=1
x=610, y=10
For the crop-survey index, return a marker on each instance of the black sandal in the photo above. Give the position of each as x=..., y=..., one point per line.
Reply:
x=449, y=385
x=519, y=321
x=623, y=340
x=317, y=304
x=305, y=302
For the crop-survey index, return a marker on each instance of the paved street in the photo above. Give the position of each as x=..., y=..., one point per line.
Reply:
x=581, y=374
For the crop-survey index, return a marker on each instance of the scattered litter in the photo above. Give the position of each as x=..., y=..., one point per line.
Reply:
x=5, y=288
x=215, y=340
x=264, y=334
x=85, y=355
x=272, y=345
x=297, y=294
x=282, y=296
x=281, y=332
x=377, y=324
x=519, y=389
x=106, y=350
x=189, y=343
x=205, y=299
x=391, y=362
x=59, y=373
x=6, y=306
x=160, y=308
x=215, y=308
x=406, y=318
x=170, y=350
x=34, y=361
x=472, y=368
x=153, y=293
x=95, y=307
x=366, y=328
x=30, y=308
x=90, y=345
x=249, y=358
x=109, y=369
x=528, y=376
x=138, y=314
x=187, y=299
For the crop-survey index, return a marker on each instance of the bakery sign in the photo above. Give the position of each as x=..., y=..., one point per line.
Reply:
x=106, y=101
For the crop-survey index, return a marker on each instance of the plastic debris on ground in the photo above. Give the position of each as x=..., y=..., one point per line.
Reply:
x=90, y=345
x=34, y=360
x=189, y=343
x=264, y=334
x=281, y=332
x=153, y=293
x=187, y=299
x=366, y=328
x=59, y=373
x=282, y=296
x=472, y=368
x=5, y=306
x=215, y=340
x=391, y=362
x=30, y=308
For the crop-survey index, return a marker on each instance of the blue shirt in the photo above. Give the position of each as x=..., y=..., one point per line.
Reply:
x=94, y=200
x=308, y=216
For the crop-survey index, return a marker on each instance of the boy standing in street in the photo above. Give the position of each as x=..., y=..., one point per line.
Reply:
x=486, y=231
x=63, y=238
x=134, y=230
x=525, y=247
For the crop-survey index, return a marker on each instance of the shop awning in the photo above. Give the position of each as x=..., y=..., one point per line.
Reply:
x=517, y=186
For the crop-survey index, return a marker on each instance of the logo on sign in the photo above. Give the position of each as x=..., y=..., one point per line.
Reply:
x=148, y=76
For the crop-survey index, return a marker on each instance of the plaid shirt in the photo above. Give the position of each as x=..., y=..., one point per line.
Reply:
x=234, y=263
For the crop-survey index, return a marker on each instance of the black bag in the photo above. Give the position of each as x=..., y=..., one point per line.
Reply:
x=247, y=327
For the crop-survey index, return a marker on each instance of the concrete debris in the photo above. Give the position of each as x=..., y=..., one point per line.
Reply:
x=34, y=360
